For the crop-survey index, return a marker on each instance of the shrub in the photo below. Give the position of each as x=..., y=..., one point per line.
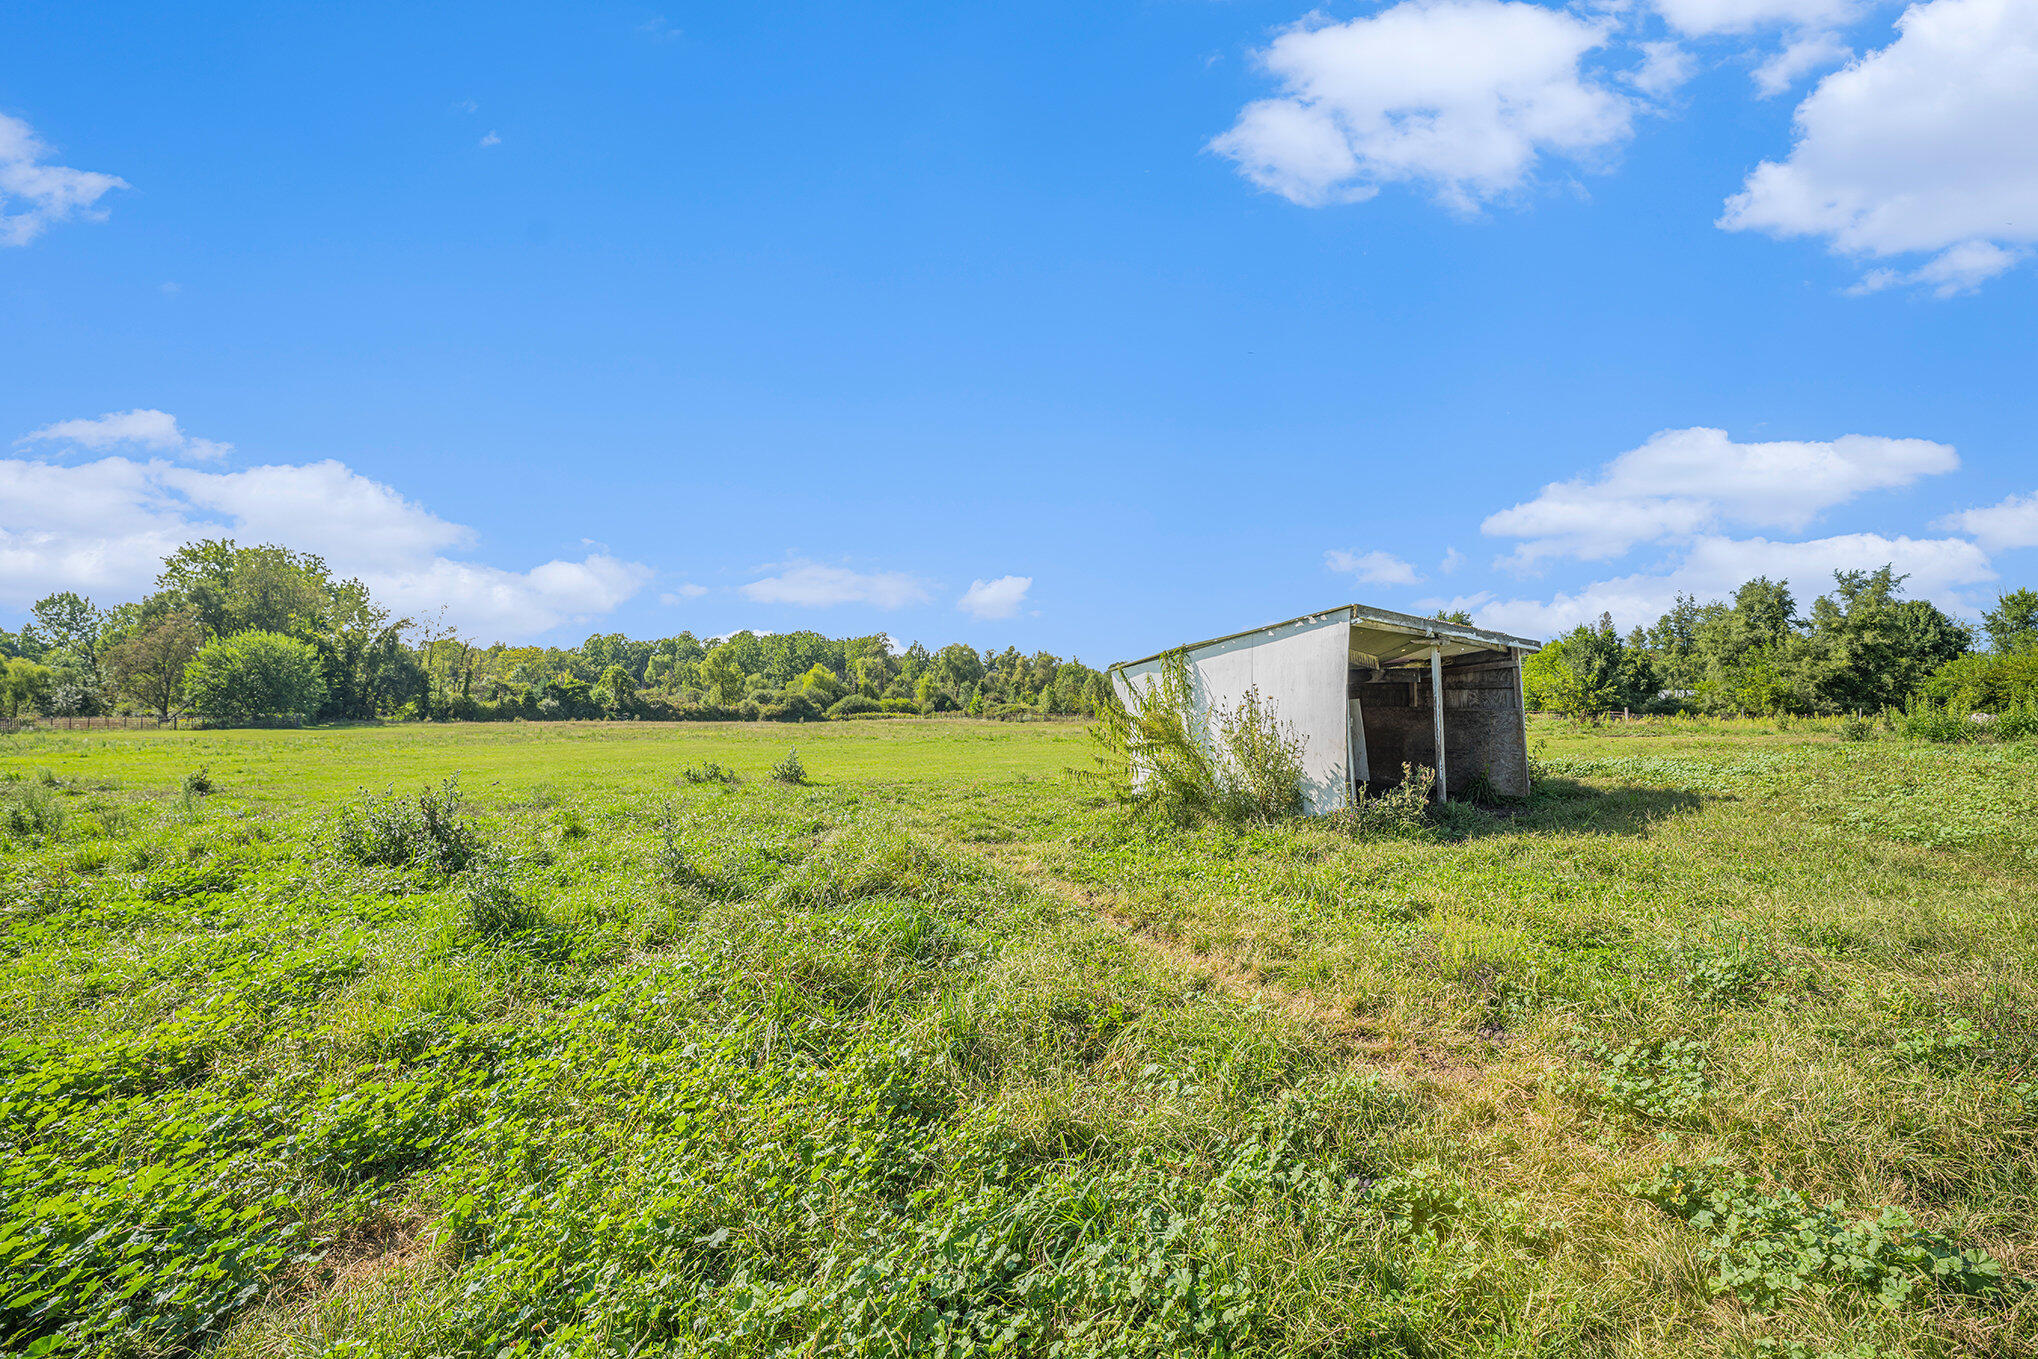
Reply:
x=1925, y=720
x=425, y=832
x=790, y=770
x=253, y=675
x=1985, y=682
x=1856, y=728
x=1162, y=755
x=199, y=781
x=899, y=705
x=850, y=705
x=710, y=771
x=791, y=708
x=2019, y=723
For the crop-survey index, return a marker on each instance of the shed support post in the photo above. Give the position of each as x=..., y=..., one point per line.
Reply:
x=1436, y=699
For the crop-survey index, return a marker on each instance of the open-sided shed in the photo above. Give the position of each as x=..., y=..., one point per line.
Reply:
x=1369, y=690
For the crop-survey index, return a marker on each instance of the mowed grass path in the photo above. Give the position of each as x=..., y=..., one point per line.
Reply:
x=1723, y=1044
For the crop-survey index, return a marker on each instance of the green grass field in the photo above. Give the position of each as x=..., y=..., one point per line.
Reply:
x=1725, y=1043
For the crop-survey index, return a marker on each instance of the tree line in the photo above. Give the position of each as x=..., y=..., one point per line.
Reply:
x=238, y=634
x=1862, y=648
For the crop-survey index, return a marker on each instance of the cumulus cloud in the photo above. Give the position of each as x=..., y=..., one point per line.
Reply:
x=2012, y=522
x=150, y=429
x=1922, y=147
x=1462, y=98
x=998, y=598
x=1664, y=69
x=35, y=194
x=812, y=585
x=1710, y=18
x=1797, y=59
x=1716, y=566
x=1371, y=568
x=103, y=527
x=1684, y=482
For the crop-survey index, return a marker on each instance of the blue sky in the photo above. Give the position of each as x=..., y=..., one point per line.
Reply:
x=1084, y=327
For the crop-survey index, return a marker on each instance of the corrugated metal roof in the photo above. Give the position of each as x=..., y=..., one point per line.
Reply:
x=1368, y=618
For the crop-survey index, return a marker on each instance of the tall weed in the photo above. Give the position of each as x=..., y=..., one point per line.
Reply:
x=1401, y=810
x=1163, y=755
x=33, y=812
x=426, y=832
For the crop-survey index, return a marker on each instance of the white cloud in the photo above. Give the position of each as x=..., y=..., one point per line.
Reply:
x=1716, y=566
x=1370, y=568
x=1453, y=559
x=103, y=528
x=1461, y=97
x=34, y=194
x=812, y=585
x=1709, y=18
x=150, y=429
x=681, y=593
x=1923, y=146
x=998, y=598
x=1803, y=54
x=1664, y=69
x=2012, y=522
x=1684, y=482
x=490, y=139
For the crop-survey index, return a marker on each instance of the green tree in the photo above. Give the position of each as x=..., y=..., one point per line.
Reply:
x=149, y=665
x=1872, y=650
x=1588, y=672
x=724, y=675
x=820, y=684
x=24, y=685
x=615, y=690
x=253, y=675
x=65, y=621
x=2013, y=623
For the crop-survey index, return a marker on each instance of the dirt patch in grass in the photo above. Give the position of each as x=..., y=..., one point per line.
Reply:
x=384, y=1251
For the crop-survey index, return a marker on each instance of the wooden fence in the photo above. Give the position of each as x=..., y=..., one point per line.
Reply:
x=147, y=722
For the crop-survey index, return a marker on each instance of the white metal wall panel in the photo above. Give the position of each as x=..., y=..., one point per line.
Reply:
x=1299, y=667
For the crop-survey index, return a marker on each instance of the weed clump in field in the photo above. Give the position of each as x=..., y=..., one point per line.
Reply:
x=1763, y=1244
x=1401, y=810
x=33, y=812
x=1161, y=757
x=710, y=771
x=426, y=832
x=677, y=868
x=1728, y=976
x=790, y=770
x=495, y=908
x=1660, y=1080
x=198, y=782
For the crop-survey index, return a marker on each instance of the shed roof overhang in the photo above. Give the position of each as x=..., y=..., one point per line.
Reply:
x=1381, y=637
